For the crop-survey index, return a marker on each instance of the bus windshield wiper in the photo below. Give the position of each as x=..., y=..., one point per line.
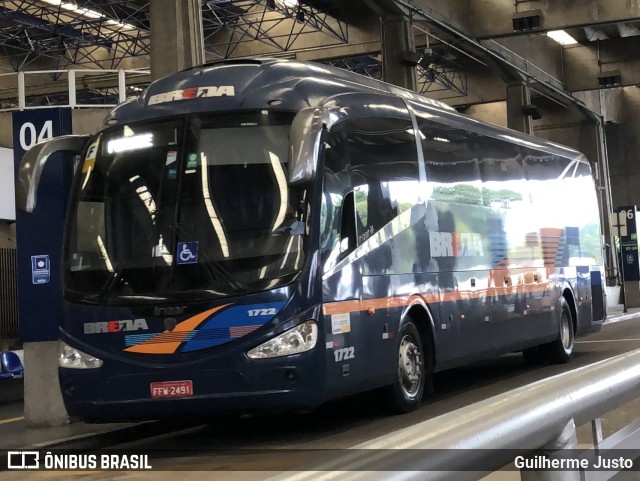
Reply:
x=116, y=276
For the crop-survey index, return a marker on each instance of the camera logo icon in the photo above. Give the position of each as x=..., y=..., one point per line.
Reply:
x=23, y=460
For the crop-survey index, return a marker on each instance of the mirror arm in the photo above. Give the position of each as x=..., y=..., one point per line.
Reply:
x=306, y=135
x=33, y=163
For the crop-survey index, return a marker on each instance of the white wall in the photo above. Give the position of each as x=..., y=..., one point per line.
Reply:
x=7, y=185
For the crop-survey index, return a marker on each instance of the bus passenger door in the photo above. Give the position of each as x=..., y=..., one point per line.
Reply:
x=341, y=286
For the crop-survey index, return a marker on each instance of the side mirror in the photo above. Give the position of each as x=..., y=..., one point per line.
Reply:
x=306, y=134
x=33, y=163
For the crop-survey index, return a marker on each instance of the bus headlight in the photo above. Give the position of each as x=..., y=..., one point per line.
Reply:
x=299, y=339
x=73, y=358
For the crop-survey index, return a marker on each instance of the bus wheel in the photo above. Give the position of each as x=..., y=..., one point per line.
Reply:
x=405, y=394
x=560, y=350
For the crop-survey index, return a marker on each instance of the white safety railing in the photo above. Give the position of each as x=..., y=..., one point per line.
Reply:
x=466, y=444
x=64, y=86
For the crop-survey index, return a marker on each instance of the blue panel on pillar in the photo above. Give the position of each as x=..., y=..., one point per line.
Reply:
x=626, y=217
x=39, y=234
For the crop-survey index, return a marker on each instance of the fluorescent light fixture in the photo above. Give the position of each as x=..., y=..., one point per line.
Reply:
x=126, y=144
x=121, y=26
x=72, y=7
x=85, y=12
x=287, y=3
x=562, y=37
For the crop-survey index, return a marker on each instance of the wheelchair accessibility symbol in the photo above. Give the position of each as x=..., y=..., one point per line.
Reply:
x=188, y=252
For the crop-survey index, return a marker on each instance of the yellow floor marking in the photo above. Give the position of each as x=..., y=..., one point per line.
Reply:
x=11, y=420
x=609, y=340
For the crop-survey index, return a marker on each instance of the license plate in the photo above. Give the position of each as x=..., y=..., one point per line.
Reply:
x=171, y=389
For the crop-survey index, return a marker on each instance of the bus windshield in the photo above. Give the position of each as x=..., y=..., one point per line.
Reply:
x=186, y=208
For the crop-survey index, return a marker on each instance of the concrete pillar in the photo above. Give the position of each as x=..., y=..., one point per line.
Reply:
x=397, y=38
x=518, y=95
x=177, y=39
x=43, y=399
x=593, y=145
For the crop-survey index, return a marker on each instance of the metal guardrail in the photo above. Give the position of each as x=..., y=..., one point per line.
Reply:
x=462, y=443
x=70, y=88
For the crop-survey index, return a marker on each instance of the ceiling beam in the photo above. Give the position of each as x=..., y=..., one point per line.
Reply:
x=494, y=18
x=386, y=8
x=582, y=64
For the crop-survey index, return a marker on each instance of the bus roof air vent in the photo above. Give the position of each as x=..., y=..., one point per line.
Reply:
x=230, y=61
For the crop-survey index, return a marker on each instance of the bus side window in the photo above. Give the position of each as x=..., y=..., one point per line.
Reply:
x=451, y=162
x=371, y=162
x=385, y=171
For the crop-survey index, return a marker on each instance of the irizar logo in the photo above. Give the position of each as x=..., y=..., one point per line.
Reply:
x=127, y=325
x=455, y=244
x=193, y=93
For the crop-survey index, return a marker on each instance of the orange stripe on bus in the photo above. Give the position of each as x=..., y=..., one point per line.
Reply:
x=168, y=341
x=341, y=307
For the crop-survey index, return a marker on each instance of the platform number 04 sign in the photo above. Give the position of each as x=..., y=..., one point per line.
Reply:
x=30, y=136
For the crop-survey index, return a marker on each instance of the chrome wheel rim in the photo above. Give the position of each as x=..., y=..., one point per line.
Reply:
x=410, y=367
x=565, y=331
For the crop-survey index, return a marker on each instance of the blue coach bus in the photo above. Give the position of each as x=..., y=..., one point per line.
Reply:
x=261, y=234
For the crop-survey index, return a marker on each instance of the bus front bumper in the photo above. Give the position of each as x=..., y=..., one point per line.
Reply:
x=92, y=396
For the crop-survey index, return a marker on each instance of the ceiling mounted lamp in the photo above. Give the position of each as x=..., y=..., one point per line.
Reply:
x=423, y=59
x=562, y=37
x=595, y=34
x=627, y=30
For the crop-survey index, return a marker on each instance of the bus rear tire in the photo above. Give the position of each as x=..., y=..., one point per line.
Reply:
x=405, y=394
x=561, y=350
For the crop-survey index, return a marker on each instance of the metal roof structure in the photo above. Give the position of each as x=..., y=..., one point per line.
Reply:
x=60, y=33
x=102, y=33
x=115, y=34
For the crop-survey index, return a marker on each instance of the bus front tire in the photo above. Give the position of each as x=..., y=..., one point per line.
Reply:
x=405, y=394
